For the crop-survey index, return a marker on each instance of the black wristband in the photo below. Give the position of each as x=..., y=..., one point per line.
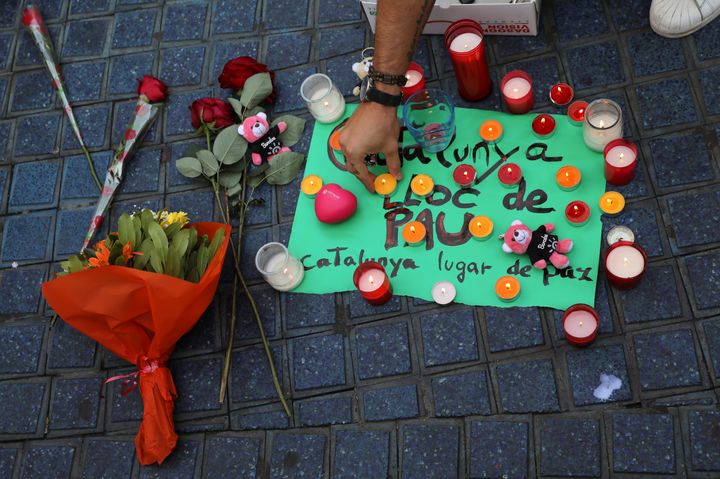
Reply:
x=376, y=76
x=384, y=99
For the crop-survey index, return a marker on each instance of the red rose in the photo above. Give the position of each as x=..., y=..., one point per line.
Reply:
x=153, y=89
x=215, y=113
x=32, y=16
x=238, y=70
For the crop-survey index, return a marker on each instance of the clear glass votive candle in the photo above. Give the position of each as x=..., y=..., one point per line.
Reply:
x=278, y=267
x=324, y=100
x=603, y=124
x=429, y=116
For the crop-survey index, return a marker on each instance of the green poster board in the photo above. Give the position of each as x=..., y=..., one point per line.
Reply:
x=330, y=253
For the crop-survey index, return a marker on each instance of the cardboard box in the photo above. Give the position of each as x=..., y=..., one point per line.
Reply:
x=497, y=17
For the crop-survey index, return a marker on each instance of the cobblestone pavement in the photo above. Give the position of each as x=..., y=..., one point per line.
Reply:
x=404, y=390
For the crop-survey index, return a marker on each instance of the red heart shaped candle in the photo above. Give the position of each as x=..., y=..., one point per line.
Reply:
x=334, y=204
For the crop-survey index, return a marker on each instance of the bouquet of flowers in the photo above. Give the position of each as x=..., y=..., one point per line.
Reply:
x=137, y=292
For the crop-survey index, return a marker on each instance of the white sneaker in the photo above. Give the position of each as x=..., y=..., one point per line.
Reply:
x=677, y=18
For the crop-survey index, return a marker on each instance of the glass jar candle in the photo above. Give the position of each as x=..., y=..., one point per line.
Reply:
x=603, y=124
x=323, y=99
x=464, y=40
x=278, y=267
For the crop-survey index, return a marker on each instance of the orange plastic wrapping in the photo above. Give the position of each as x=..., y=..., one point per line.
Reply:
x=140, y=316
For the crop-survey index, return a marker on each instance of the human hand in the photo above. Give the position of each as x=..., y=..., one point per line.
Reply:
x=372, y=128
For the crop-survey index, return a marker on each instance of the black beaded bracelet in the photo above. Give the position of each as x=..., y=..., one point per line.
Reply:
x=376, y=76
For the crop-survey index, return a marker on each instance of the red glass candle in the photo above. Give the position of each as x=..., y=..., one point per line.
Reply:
x=577, y=213
x=464, y=40
x=580, y=324
x=576, y=112
x=464, y=175
x=517, y=93
x=373, y=283
x=625, y=264
x=510, y=175
x=620, y=161
x=415, y=80
x=561, y=94
x=543, y=125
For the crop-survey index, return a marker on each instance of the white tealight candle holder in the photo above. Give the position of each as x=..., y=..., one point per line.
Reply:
x=324, y=100
x=443, y=292
x=278, y=267
x=603, y=124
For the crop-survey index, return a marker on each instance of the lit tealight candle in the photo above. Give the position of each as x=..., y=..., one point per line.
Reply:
x=543, y=125
x=481, y=227
x=385, y=185
x=620, y=161
x=335, y=140
x=510, y=175
x=561, y=94
x=577, y=213
x=507, y=288
x=625, y=264
x=372, y=282
x=464, y=175
x=576, y=112
x=443, y=292
x=311, y=185
x=612, y=203
x=422, y=185
x=491, y=131
x=568, y=178
x=414, y=233
x=580, y=324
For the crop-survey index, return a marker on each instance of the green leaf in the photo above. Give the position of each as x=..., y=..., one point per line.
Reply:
x=137, y=226
x=74, y=264
x=229, y=146
x=234, y=190
x=202, y=260
x=237, y=106
x=156, y=262
x=254, y=111
x=180, y=242
x=189, y=166
x=160, y=242
x=192, y=239
x=259, y=170
x=284, y=168
x=192, y=150
x=126, y=230
x=146, y=218
x=257, y=88
x=294, y=131
x=172, y=264
x=146, y=248
x=255, y=181
x=209, y=163
x=172, y=229
x=216, y=242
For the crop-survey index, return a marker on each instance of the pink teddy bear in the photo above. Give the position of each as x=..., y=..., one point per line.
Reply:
x=263, y=140
x=540, y=245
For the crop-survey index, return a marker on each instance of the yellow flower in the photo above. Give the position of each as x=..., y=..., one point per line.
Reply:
x=175, y=217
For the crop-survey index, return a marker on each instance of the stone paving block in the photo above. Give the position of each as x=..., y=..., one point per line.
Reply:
x=704, y=440
x=69, y=348
x=288, y=50
x=6, y=128
x=260, y=420
x=4, y=173
x=667, y=360
x=27, y=53
x=629, y=14
x=143, y=173
x=704, y=274
x=545, y=67
x=199, y=204
x=4, y=87
x=48, y=461
x=252, y=241
x=85, y=38
x=655, y=298
x=527, y=386
x=250, y=378
x=383, y=350
x=290, y=195
x=361, y=453
x=84, y=82
x=682, y=209
x=78, y=7
x=449, y=337
x=264, y=211
x=710, y=96
x=359, y=307
x=8, y=13
x=643, y=221
x=670, y=153
x=656, y=112
x=26, y=237
x=462, y=394
x=29, y=141
x=331, y=11
x=318, y=361
x=234, y=16
x=108, y=459
x=184, y=21
x=498, y=448
x=93, y=122
x=22, y=406
x=27, y=95
x=265, y=298
x=325, y=412
x=588, y=72
x=203, y=337
x=127, y=70
x=226, y=51
x=124, y=112
x=198, y=384
x=70, y=231
x=303, y=310
x=134, y=28
x=177, y=115
x=281, y=15
x=132, y=206
x=77, y=182
x=338, y=41
x=430, y=450
x=511, y=46
x=173, y=176
x=22, y=347
x=75, y=403
x=51, y=9
x=287, y=86
x=643, y=443
x=297, y=455
x=712, y=336
x=21, y=289
x=182, y=66
x=579, y=19
x=602, y=306
x=390, y=403
x=232, y=456
x=706, y=41
x=570, y=447
x=184, y=462
x=8, y=458
x=513, y=328
x=653, y=54
x=586, y=366
x=339, y=69
x=34, y=184
x=6, y=44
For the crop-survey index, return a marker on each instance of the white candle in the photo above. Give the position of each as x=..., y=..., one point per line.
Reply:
x=620, y=156
x=516, y=88
x=324, y=100
x=413, y=78
x=278, y=267
x=625, y=262
x=603, y=123
x=443, y=292
x=465, y=42
x=580, y=324
x=371, y=280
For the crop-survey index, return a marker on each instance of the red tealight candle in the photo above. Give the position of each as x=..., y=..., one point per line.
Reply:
x=625, y=264
x=516, y=88
x=580, y=324
x=415, y=76
x=561, y=94
x=577, y=213
x=620, y=161
x=576, y=112
x=543, y=125
x=464, y=40
x=464, y=175
x=510, y=175
x=373, y=283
